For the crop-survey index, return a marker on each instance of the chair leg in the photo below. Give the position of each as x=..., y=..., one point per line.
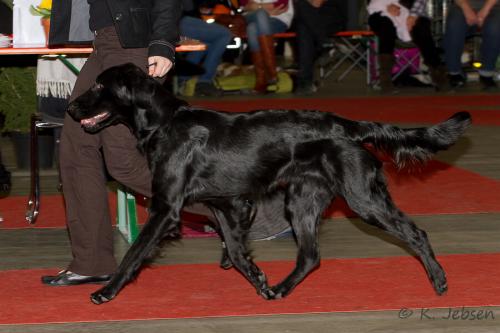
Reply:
x=33, y=206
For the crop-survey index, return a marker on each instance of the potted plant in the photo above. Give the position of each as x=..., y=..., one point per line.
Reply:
x=44, y=10
x=18, y=103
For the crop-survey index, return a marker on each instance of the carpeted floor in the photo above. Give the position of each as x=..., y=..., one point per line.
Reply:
x=436, y=188
x=401, y=109
x=192, y=291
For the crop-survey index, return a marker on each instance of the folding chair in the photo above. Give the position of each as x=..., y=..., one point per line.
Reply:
x=406, y=58
x=356, y=48
x=37, y=122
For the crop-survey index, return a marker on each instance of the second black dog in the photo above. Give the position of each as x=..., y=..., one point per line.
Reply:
x=231, y=161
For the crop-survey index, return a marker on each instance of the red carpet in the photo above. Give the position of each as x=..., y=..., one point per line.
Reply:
x=52, y=215
x=485, y=109
x=189, y=291
x=435, y=189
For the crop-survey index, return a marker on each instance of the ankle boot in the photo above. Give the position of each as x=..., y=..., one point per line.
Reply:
x=439, y=77
x=386, y=61
x=267, y=48
x=260, y=73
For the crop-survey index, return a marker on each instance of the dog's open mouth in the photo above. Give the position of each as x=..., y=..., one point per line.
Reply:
x=92, y=122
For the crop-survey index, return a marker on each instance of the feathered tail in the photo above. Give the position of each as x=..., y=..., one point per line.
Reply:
x=409, y=145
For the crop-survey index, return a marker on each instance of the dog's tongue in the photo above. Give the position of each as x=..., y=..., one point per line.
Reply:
x=94, y=120
x=88, y=122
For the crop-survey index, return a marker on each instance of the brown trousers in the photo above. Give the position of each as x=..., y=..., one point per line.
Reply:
x=82, y=159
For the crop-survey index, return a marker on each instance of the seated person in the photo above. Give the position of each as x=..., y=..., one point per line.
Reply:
x=215, y=36
x=316, y=21
x=464, y=18
x=406, y=20
x=265, y=18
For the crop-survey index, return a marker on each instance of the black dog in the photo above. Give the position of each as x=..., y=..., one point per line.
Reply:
x=231, y=161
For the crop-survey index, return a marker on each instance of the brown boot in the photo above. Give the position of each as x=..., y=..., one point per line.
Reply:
x=439, y=78
x=260, y=73
x=267, y=48
x=385, y=61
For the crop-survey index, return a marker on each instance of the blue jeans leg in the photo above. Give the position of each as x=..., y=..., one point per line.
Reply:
x=454, y=39
x=259, y=23
x=214, y=35
x=490, y=44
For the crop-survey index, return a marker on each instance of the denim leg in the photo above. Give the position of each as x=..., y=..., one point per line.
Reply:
x=454, y=39
x=253, y=37
x=214, y=35
x=259, y=23
x=490, y=45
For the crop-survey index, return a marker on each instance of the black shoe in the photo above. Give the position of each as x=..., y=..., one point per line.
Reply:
x=487, y=82
x=207, y=89
x=456, y=80
x=67, y=278
x=305, y=89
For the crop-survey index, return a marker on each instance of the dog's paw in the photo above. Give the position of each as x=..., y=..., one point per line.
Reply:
x=267, y=294
x=440, y=284
x=101, y=296
x=226, y=263
x=441, y=287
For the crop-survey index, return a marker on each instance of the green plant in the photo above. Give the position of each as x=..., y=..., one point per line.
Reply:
x=43, y=9
x=17, y=97
x=9, y=3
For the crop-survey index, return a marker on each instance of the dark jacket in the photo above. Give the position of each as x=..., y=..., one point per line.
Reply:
x=139, y=23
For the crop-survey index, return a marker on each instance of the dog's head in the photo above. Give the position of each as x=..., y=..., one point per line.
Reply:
x=124, y=94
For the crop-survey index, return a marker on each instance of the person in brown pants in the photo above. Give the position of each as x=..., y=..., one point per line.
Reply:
x=84, y=157
x=122, y=35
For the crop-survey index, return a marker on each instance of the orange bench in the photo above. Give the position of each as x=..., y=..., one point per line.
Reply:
x=360, y=49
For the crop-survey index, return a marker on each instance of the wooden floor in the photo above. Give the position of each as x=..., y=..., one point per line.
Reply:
x=340, y=238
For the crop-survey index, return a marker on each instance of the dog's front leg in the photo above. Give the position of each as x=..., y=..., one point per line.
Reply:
x=157, y=227
x=234, y=224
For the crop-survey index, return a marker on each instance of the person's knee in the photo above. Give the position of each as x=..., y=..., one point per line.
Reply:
x=262, y=19
x=491, y=32
x=226, y=35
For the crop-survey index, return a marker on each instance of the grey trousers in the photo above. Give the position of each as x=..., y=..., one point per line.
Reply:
x=84, y=156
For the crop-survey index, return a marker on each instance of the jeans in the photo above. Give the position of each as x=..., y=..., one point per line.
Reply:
x=457, y=31
x=214, y=35
x=259, y=23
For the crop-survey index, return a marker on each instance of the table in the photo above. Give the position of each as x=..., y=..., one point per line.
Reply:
x=187, y=45
x=33, y=206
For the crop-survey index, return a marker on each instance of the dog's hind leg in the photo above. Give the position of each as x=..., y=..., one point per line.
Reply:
x=225, y=261
x=164, y=220
x=369, y=198
x=304, y=205
x=234, y=220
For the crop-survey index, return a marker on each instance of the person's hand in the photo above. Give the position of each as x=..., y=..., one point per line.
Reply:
x=316, y=3
x=278, y=10
x=410, y=22
x=470, y=16
x=482, y=14
x=252, y=5
x=394, y=10
x=158, y=66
